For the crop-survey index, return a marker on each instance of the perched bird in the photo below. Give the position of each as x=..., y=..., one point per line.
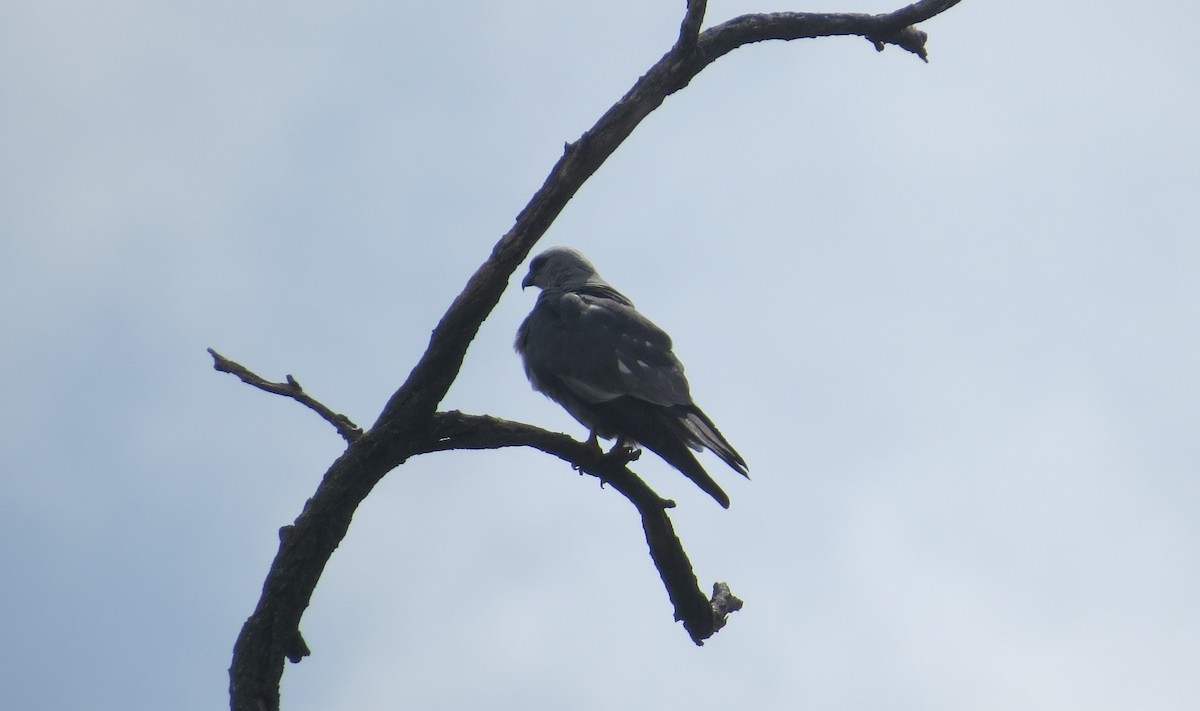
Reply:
x=587, y=348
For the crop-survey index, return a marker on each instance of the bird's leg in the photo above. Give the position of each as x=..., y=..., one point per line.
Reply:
x=623, y=452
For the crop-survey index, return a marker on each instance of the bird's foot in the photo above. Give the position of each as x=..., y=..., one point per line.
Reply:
x=624, y=452
x=593, y=441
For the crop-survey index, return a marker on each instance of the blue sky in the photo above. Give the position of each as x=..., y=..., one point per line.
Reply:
x=949, y=313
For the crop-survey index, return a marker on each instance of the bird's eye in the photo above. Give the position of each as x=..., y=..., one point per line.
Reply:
x=537, y=263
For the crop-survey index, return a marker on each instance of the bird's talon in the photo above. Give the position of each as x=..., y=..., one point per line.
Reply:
x=624, y=453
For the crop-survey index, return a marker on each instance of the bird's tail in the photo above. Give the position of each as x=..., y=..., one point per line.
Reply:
x=705, y=433
x=670, y=433
x=676, y=453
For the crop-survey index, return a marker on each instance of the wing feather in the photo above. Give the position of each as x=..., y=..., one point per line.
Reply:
x=601, y=349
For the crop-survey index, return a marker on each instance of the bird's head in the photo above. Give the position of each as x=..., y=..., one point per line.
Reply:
x=561, y=268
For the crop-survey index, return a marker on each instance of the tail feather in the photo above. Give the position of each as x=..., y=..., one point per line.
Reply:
x=677, y=454
x=703, y=429
x=662, y=431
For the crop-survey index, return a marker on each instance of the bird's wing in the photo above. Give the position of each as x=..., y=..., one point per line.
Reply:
x=601, y=348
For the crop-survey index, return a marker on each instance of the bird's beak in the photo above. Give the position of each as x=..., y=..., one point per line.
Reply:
x=527, y=281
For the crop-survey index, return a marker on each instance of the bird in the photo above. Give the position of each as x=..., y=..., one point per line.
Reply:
x=585, y=346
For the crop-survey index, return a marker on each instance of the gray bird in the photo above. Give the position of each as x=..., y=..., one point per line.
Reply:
x=587, y=348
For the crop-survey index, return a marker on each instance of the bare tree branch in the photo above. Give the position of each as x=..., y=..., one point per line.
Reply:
x=291, y=388
x=409, y=423
x=456, y=430
x=892, y=28
x=689, y=29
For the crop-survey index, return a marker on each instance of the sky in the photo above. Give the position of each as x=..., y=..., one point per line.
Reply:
x=948, y=312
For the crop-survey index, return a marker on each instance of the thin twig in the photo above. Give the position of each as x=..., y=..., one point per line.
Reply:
x=291, y=388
